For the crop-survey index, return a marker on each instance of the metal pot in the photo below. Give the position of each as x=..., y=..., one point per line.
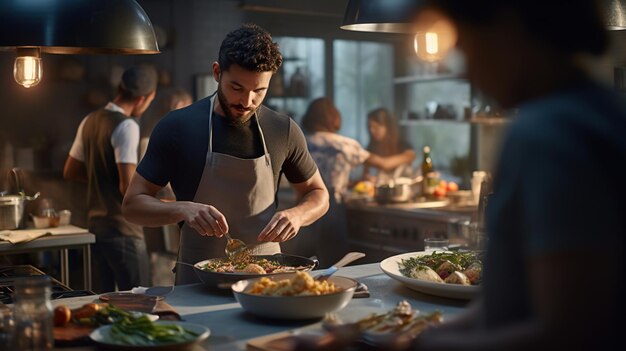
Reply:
x=12, y=210
x=398, y=190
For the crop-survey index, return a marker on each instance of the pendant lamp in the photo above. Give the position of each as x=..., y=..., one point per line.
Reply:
x=615, y=14
x=32, y=27
x=434, y=36
x=389, y=16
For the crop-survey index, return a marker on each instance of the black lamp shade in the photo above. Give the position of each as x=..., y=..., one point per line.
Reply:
x=391, y=16
x=77, y=27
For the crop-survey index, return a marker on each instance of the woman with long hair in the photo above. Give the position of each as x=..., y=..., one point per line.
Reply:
x=385, y=140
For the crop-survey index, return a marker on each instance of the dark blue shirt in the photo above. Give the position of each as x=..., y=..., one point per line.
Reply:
x=558, y=188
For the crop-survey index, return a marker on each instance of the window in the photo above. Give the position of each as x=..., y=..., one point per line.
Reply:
x=301, y=77
x=363, y=81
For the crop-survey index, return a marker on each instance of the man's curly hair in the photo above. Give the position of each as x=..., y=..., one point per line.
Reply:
x=252, y=48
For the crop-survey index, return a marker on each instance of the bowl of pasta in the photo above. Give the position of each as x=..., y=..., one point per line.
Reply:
x=293, y=295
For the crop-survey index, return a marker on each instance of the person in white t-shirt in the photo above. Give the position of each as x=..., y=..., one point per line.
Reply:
x=105, y=154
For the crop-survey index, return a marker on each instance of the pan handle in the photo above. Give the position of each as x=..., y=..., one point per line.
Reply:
x=316, y=262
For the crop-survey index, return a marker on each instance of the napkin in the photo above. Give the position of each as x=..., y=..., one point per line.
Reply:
x=16, y=237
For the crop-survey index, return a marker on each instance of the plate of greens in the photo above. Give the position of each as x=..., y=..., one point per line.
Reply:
x=448, y=274
x=143, y=334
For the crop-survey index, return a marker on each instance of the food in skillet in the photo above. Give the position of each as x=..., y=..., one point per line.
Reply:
x=302, y=284
x=462, y=268
x=248, y=264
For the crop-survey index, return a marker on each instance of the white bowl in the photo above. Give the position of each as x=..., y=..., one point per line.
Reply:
x=41, y=222
x=294, y=307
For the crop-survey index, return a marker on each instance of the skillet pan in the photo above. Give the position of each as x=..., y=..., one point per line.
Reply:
x=224, y=280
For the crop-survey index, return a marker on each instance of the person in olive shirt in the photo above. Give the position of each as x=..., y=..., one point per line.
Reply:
x=224, y=156
x=104, y=154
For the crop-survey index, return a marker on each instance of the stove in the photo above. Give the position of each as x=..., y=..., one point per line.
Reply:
x=9, y=273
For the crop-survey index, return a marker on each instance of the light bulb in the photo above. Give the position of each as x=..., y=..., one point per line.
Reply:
x=27, y=69
x=434, y=38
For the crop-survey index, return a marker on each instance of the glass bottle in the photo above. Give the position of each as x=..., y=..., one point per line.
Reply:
x=427, y=162
x=32, y=311
x=429, y=182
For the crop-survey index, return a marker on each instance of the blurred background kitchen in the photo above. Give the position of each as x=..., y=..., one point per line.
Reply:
x=434, y=106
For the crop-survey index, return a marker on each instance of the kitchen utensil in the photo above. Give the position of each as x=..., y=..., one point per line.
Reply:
x=234, y=247
x=348, y=258
x=225, y=279
x=294, y=307
x=12, y=210
x=397, y=190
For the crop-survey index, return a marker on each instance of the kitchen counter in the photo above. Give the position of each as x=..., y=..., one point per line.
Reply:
x=61, y=238
x=440, y=210
x=231, y=326
x=385, y=230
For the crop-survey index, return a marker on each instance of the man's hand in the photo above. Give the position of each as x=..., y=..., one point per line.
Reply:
x=282, y=227
x=205, y=219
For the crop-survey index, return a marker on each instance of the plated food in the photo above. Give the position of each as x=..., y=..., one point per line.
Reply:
x=464, y=268
x=150, y=336
x=402, y=319
x=308, y=305
x=407, y=262
x=73, y=326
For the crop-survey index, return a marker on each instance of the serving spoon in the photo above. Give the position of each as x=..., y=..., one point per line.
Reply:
x=234, y=247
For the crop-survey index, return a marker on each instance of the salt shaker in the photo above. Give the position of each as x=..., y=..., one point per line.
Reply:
x=32, y=311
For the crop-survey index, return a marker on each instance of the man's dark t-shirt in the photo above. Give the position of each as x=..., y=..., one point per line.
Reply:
x=179, y=144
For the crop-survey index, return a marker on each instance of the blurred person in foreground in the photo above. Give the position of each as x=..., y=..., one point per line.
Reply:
x=336, y=156
x=554, y=270
x=386, y=140
x=104, y=154
x=224, y=156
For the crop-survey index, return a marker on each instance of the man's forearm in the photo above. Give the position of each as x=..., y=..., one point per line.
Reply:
x=311, y=206
x=148, y=211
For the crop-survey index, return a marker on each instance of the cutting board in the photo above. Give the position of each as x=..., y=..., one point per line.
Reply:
x=282, y=341
x=72, y=333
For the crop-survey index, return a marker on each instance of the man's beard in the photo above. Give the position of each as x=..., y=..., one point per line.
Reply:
x=232, y=119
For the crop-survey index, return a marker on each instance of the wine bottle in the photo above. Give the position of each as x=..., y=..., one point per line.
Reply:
x=429, y=182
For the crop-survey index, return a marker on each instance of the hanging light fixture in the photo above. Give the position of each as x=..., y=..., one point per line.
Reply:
x=434, y=36
x=33, y=27
x=615, y=14
x=389, y=16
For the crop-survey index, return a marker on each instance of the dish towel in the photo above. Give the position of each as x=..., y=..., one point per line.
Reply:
x=17, y=237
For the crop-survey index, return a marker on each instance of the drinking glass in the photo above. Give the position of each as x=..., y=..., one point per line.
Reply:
x=436, y=244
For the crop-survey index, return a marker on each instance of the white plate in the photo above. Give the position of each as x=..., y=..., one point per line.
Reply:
x=101, y=336
x=454, y=291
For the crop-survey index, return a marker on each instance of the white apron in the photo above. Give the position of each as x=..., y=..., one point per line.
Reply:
x=243, y=190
